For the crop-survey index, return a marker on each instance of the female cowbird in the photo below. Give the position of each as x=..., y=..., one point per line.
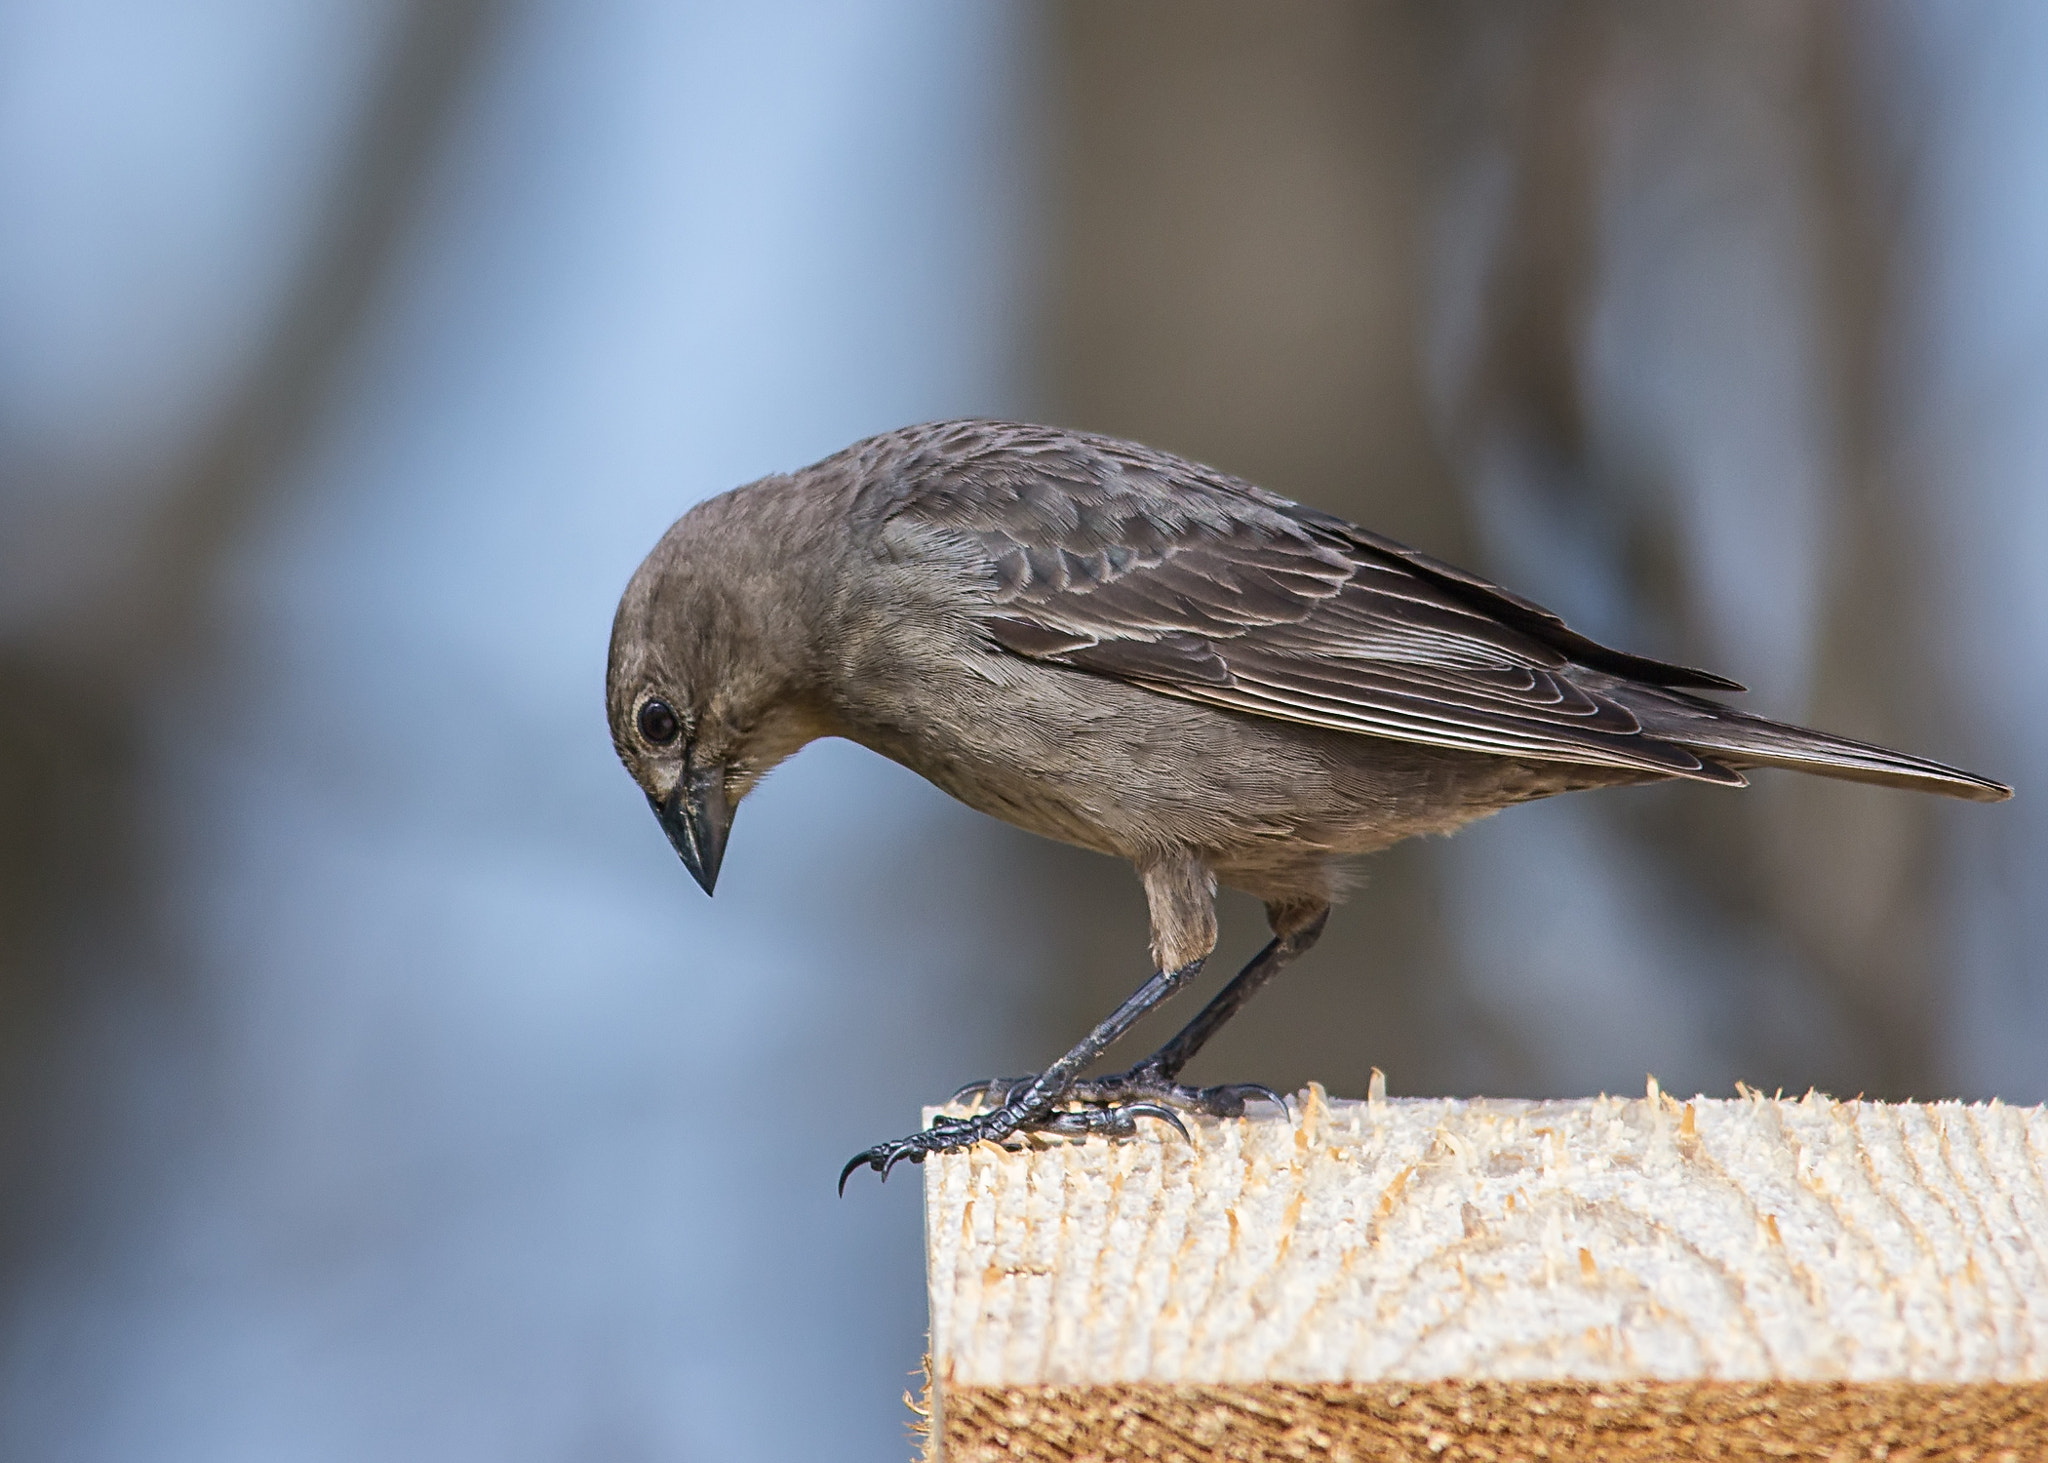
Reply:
x=1131, y=652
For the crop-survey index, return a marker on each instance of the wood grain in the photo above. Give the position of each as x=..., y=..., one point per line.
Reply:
x=1385, y=1244
x=1502, y=1422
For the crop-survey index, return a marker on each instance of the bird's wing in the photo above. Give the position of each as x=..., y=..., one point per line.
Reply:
x=1113, y=559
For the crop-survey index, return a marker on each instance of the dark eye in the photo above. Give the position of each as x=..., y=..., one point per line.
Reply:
x=658, y=722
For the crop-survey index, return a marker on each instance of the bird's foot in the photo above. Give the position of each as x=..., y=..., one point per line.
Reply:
x=1147, y=1083
x=1019, y=1115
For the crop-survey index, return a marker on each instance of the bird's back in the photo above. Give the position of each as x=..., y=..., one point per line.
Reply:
x=1108, y=563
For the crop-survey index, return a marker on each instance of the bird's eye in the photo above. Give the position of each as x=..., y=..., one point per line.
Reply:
x=658, y=722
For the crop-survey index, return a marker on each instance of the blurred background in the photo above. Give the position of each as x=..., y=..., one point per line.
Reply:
x=374, y=1083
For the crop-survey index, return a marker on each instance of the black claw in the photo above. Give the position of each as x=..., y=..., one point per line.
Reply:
x=847, y=1172
x=1154, y=1110
x=884, y=1157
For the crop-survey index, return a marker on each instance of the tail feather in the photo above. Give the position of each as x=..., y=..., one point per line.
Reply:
x=1738, y=739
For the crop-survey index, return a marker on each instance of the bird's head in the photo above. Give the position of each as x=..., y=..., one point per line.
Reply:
x=708, y=684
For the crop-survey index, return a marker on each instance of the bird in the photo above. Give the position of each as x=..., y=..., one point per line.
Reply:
x=1121, y=649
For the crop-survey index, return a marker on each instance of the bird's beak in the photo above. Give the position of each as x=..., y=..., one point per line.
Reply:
x=696, y=820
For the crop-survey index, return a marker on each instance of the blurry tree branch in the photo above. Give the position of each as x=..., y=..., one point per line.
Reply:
x=72, y=716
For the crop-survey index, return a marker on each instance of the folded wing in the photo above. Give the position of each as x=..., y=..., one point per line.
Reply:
x=1115, y=560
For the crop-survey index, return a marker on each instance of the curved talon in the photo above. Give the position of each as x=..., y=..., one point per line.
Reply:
x=1154, y=1110
x=853, y=1163
x=1228, y=1101
x=884, y=1157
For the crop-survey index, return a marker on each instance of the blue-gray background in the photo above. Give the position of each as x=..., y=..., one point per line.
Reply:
x=373, y=1081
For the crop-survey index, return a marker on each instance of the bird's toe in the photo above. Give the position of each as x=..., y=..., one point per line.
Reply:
x=1145, y=1084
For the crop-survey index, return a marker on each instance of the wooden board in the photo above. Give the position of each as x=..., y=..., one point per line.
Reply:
x=1769, y=1277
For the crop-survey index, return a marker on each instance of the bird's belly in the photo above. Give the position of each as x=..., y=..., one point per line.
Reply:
x=1132, y=772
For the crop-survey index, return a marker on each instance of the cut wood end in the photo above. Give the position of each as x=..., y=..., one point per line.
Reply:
x=1498, y=1422
x=1407, y=1242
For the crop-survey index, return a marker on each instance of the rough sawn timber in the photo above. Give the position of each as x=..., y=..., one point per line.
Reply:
x=1606, y=1279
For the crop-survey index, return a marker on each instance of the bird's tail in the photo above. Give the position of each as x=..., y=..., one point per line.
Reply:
x=1739, y=740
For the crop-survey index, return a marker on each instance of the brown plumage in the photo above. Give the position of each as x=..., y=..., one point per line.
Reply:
x=1127, y=651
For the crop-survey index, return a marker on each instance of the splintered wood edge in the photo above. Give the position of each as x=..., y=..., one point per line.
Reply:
x=1452, y=1421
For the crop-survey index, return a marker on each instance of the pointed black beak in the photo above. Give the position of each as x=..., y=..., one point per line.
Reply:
x=696, y=820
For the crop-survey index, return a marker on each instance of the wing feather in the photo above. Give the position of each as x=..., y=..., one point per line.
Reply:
x=1118, y=561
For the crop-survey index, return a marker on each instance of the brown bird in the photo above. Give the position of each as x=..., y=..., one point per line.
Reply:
x=1127, y=651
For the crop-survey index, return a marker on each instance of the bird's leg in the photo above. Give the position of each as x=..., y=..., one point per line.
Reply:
x=1156, y=1079
x=1028, y=1104
x=1280, y=952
